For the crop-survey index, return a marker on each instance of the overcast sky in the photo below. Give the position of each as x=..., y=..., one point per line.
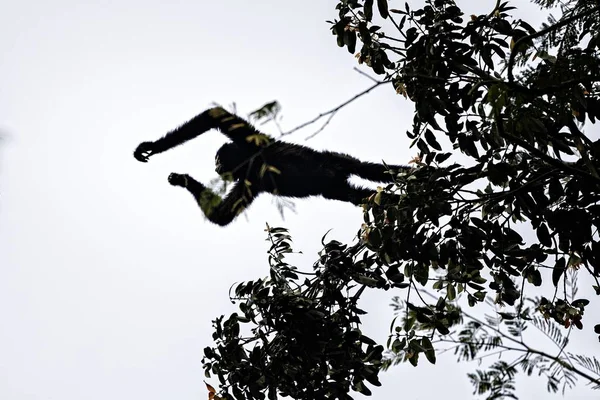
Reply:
x=109, y=277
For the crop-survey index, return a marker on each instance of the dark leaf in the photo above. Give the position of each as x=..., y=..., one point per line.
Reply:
x=429, y=350
x=365, y=36
x=431, y=140
x=543, y=235
x=350, y=40
x=368, y=9
x=558, y=270
x=382, y=5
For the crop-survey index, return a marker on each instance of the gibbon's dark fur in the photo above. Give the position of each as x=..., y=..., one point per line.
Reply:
x=258, y=163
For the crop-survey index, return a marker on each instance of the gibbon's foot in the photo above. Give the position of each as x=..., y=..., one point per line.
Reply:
x=178, y=179
x=144, y=151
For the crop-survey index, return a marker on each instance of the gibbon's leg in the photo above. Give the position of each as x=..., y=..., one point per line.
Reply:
x=219, y=211
x=348, y=193
x=234, y=127
x=377, y=172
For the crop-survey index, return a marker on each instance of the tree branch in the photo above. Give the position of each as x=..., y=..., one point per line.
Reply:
x=333, y=110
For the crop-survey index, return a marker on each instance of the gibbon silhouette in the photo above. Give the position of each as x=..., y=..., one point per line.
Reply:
x=258, y=163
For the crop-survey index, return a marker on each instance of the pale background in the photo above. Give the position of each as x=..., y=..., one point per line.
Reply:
x=109, y=277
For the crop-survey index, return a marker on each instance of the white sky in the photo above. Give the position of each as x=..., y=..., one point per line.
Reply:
x=109, y=277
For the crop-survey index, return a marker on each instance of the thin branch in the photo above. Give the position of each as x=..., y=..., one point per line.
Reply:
x=365, y=74
x=563, y=364
x=397, y=27
x=334, y=110
x=463, y=342
x=322, y=126
x=384, y=36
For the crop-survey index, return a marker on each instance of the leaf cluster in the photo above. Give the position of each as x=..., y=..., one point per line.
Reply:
x=530, y=159
x=297, y=337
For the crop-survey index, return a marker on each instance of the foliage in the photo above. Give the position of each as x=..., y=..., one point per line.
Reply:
x=304, y=341
x=522, y=212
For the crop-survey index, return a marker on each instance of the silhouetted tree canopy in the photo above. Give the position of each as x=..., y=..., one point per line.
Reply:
x=505, y=197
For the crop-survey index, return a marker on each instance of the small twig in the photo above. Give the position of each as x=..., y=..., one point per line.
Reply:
x=322, y=127
x=384, y=36
x=397, y=26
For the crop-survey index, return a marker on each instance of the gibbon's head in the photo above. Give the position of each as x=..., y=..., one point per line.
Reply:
x=230, y=159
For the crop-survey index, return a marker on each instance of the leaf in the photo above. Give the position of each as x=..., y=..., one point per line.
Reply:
x=558, y=271
x=365, y=280
x=267, y=111
x=580, y=303
x=350, y=40
x=451, y=292
x=259, y=139
x=361, y=388
x=431, y=140
x=211, y=391
x=507, y=316
x=555, y=189
x=534, y=277
x=543, y=235
x=429, y=350
x=399, y=345
x=382, y=5
x=365, y=35
x=377, y=199
x=413, y=359
x=368, y=9
x=441, y=157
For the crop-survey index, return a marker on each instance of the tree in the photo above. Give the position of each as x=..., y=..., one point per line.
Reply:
x=512, y=227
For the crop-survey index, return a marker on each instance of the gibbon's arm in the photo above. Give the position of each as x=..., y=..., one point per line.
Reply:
x=218, y=211
x=232, y=126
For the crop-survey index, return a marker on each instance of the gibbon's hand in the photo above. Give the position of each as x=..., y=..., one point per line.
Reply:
x=144, y=151
x=178, y=179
